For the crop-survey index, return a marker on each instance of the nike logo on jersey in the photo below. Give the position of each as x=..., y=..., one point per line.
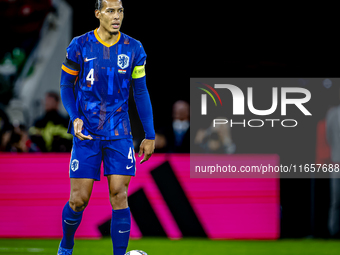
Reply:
x=127, y=167
x=89, y=59
x=121, y=232
x=70, y=223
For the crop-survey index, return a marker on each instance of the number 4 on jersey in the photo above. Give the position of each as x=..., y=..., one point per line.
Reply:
x=90, y=76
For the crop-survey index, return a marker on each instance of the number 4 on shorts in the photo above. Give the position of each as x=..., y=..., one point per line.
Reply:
x=131, y=154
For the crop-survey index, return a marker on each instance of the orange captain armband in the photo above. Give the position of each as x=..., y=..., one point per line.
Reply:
x=69, y=71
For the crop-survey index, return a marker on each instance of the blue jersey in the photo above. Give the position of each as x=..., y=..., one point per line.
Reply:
x=104, y=74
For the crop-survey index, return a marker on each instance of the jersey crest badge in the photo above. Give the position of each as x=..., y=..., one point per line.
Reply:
x=123, y=61
x=74, y=165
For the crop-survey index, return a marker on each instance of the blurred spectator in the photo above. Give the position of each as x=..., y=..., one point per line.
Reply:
x=175, y=138
x=5, y=130
x=333, y=138
x=323, y=153
x=19, y=140
x=50, y=131
x=215, y=139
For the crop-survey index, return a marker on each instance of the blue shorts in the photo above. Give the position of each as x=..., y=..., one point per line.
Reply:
x=118, y=157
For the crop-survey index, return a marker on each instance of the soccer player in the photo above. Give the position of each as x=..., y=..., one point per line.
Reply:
x=99, y=69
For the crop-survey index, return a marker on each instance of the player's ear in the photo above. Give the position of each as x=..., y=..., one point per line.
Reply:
x=97, y=14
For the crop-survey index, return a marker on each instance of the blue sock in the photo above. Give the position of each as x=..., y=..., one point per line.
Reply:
x=120, y=230
x=71, y=221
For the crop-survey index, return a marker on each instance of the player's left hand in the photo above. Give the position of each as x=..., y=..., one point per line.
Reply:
x=147, y=147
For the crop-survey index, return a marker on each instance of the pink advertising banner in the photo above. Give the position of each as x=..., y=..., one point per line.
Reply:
x=35, y=187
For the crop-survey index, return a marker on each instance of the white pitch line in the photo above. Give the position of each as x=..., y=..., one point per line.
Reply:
x=13, y=249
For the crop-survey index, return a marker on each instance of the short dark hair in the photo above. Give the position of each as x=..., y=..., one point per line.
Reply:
x=99, y=4
x=54, y=95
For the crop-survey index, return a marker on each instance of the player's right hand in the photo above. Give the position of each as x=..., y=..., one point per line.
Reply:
x=78, y=126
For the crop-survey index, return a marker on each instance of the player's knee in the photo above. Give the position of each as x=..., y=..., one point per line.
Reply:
x=118, y=199
x=78, y=202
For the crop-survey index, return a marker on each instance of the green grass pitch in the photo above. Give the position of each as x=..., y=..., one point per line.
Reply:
x=163, y=246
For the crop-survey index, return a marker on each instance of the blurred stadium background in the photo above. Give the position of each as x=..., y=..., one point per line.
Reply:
x=172, y=214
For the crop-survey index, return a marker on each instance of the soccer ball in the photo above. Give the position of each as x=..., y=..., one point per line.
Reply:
x=136, y=252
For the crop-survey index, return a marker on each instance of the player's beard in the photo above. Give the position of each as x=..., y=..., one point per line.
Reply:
x=114, y=33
